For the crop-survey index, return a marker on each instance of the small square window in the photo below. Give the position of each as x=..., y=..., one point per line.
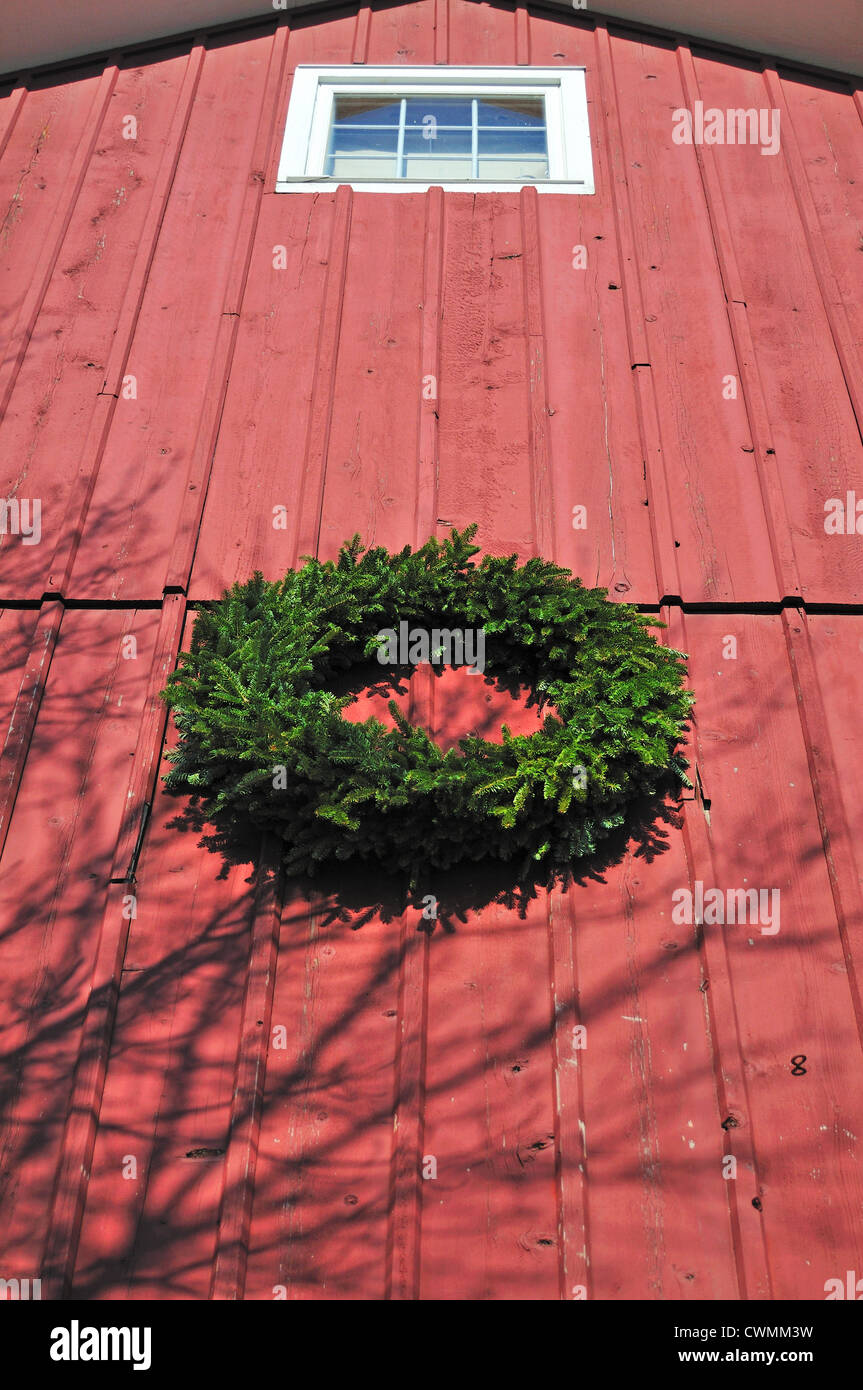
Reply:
x=406, y=129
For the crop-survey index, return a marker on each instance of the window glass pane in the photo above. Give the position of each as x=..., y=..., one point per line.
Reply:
x=347, y=141
x=351, y=148
x=366, y=110
x=349, y=167
x=512, y=142
x=446, y=170
x=438, y=138
x=446, y=111
x=437, y=142
x=525, y=112
x=511, y=167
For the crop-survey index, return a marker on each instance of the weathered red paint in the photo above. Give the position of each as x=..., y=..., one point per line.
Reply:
x=151, y=1036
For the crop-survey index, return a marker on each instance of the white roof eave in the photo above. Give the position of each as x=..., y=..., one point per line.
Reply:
x=827, y=36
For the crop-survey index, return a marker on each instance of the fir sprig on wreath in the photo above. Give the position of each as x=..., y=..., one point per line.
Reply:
x=263, y=739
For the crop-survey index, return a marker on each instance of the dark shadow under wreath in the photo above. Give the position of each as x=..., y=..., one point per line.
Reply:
x=263, y=739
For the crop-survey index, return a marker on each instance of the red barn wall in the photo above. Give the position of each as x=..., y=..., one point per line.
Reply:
x=559, y=1169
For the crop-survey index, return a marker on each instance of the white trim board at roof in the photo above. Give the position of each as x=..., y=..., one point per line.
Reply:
x=827, y=37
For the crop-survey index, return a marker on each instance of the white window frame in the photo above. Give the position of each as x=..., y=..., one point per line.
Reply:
x=314, y=89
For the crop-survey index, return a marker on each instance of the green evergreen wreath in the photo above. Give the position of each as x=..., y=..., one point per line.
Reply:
x=263, y=740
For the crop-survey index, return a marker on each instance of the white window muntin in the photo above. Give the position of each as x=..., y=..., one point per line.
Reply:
x=310, y=114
